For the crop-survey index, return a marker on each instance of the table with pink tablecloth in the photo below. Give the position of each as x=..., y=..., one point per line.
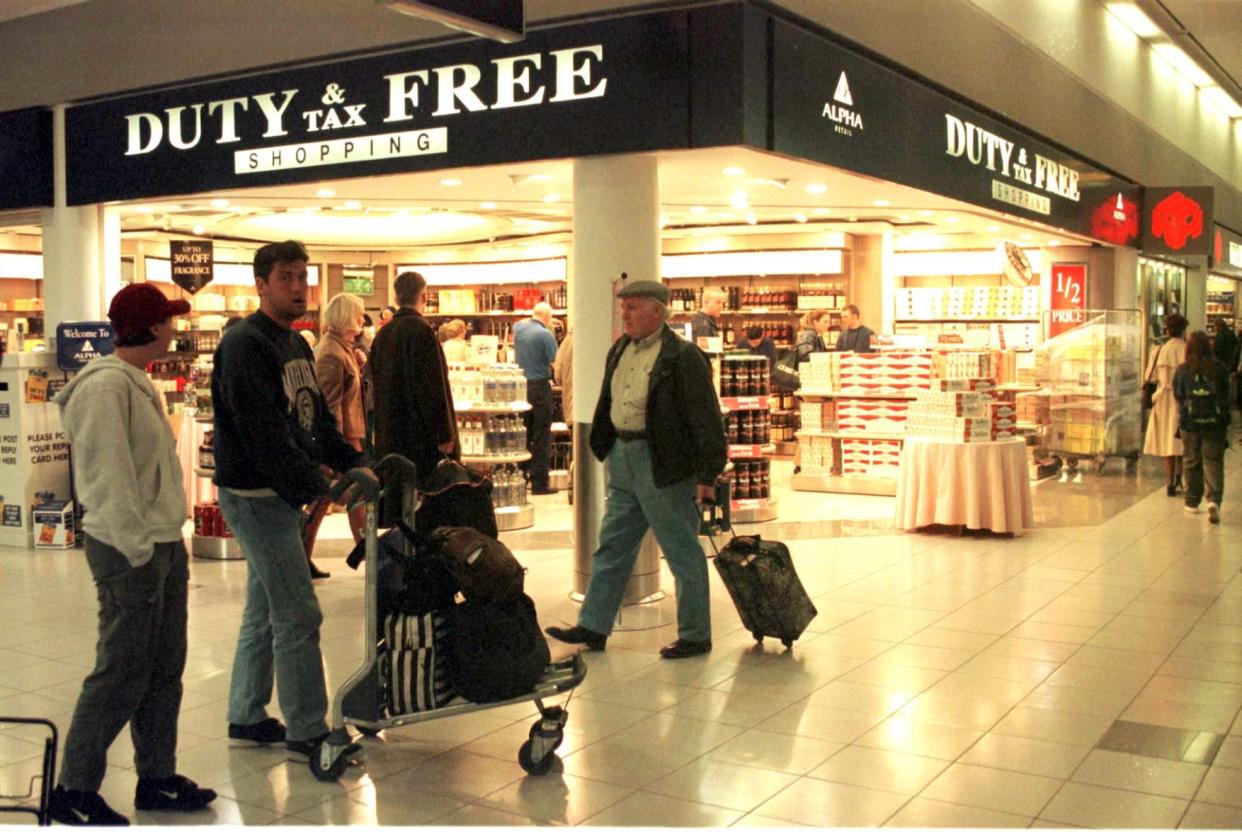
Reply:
x=979, y=485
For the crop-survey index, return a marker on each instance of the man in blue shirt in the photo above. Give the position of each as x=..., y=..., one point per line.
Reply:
x=535, y=348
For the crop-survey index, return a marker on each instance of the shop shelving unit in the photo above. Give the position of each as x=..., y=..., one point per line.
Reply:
x=802, y=293
x=751, y=503
x=512, y=514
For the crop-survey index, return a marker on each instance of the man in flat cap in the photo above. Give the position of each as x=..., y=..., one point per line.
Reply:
x=658, y=429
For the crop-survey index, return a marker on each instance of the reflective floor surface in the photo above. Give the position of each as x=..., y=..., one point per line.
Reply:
x=1086, y=674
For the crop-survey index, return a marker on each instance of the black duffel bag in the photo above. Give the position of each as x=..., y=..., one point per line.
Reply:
x=497, y=651
x=454, y=495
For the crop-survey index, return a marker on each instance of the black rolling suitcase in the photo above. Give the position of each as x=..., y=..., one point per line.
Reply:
x=766, y=590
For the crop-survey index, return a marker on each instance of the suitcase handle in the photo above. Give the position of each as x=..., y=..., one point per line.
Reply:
x=717, y=515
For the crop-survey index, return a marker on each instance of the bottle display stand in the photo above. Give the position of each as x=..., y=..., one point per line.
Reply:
x=212, y=547
x=745, y=384
x=491, y=441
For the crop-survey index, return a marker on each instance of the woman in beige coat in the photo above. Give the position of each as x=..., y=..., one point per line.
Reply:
x=1162, y=439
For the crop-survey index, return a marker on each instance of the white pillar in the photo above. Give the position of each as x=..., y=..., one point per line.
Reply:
x=616, y=230
x=74, y=248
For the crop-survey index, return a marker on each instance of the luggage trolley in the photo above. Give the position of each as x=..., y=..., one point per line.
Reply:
x=358, y=701
x=46, y=777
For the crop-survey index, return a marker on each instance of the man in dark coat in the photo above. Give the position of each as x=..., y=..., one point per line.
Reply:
x=413, y=402
x=658, y=431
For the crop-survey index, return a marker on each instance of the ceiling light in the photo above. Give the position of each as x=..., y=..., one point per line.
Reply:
x=881, y=203
x=487, y=206
x=751, y=219
x=1183, y=63
x=903, y=217
x=1026, y=235
x=450, y=181
x=1134, y=19
x=352, y=204
x=952, y=219
x=992, y=229
x=663, y=220
x=552, y=198
x=698, y=209
x=852, y=219
x=799, y=217
x=739, y=200
x=820, y=211
x=198, y=230
x=1222, y=101
x=1054, y=242
x=220, y=203
x=325, y=193
x=816, y=188
x=733, y=170
x=926, y=213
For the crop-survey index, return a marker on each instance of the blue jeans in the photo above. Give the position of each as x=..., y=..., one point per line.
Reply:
x=280, y=625
x=635, y=503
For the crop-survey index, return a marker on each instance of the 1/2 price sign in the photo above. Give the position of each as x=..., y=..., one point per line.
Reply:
x=1069, y=297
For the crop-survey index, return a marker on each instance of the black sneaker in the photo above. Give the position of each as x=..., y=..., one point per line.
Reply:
x=171, y=794
x=311, y=746
x=76, y=808
x=267, y=732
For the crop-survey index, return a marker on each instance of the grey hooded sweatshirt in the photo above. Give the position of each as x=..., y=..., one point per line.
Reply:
x=125, y=464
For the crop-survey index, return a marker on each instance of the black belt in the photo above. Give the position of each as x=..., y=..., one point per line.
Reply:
x=631, y=435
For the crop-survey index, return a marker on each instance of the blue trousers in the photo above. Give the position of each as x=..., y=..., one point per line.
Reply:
x=280, y=625
x=634, y=504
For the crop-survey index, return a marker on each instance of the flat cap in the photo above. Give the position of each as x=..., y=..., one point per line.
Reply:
x=645, y=289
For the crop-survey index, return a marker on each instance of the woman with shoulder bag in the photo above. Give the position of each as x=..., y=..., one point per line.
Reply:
x=1162, y=436
x=811, y=336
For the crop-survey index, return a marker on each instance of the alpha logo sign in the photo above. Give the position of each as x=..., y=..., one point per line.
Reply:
x=1116, y=220
x=82, y=341
x=839, y=112
x=1178, y=221
x=563, y=92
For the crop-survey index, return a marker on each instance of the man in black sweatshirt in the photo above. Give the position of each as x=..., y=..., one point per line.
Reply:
x=273, y=431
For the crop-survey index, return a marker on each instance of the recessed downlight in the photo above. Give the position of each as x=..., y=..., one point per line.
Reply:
x=698, y=209
x=733, y=170
x=739, y=200
x=450, y=181
x=816, y=188
x=220, y=203
x=881, y=203
x=799, y=217
x=552, y=197
x=487, y=206
x=992, y=229
x=751, y=219
x=1054, y=242
x=952, y=219
x=353, y=204
x=325, y=193
x=198, y=230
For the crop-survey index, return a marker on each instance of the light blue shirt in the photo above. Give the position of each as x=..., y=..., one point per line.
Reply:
x=535, y=349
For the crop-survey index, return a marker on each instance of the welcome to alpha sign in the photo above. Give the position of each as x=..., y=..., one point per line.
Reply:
x=576, y=91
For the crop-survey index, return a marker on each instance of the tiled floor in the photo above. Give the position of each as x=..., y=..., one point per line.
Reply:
x=948, y=681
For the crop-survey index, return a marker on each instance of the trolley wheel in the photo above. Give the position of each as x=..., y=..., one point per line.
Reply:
x=368, y=732
x=328, y=772
x=758, y=636
x=533, y=766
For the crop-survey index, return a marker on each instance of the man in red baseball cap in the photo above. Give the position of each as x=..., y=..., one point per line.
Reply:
x=129, y=482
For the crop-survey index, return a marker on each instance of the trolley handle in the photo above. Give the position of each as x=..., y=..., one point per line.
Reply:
x=368, y=486
x=395, y=469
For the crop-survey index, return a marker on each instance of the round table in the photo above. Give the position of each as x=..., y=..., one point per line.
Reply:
x=978, y=485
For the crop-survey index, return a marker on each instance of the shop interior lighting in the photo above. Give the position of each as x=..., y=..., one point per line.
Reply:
x=198, y=229
x=519, y=271
x=740, y=263
x=450, y=181
x=739, y=200
x=29, y=266
x=352, y=204
x=1134, y=19
x=220, y=203
x=144, y=209
x=1054, y=242
x=698, y=209
x=1222, y=101
x=816, y=188
x=733, y=170
x=751, y=219
x=926, y=213
x=325, y=193
x=487, y=206
x=881, y=203
x=992, y=229
x=553, y=197
x=820, y=211
x=799, y=217
x=952, y=219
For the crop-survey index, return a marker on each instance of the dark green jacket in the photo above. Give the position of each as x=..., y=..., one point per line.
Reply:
x=683, y=414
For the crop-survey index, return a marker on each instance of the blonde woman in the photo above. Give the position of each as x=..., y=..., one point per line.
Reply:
x=811, y=335
x=340, y=378
x=453, y=341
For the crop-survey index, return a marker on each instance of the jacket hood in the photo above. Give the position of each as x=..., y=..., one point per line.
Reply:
x=103, y=364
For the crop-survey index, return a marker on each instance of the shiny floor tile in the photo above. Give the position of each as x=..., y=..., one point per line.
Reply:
x=933, y=814
x=1138, y=773
x=717, y=783
x=778, y=752
x=822, y=803
x=1211, y=816
x=994, y=789
x=1183, y=745
x=1081, y=804
x=876, y=768
x=555, y=799
x=645, y=809
x=925, y=739
x=1026, y=755
x=1222, y=786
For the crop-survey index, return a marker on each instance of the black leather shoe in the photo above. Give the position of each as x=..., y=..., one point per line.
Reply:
x=318, y=574
x=578, y=635
x=266, y=732
x=683, y=649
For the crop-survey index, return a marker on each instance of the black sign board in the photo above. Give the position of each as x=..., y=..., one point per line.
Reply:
x=12, y=516
x=835, y=106
x=191, y=263
x=616, y=86
x=78, y=342
x=1178, y=221
x=1226, y=252
x=26, y=159
x=502, y=20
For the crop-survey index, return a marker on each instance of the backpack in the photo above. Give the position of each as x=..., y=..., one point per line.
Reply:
x=785, y=372
x=496, y=651
x=454, y=495
x=483, y=567
x=1203, y=410
x=410, y=581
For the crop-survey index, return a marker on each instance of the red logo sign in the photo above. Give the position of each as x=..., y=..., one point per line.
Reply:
x=1069, y=297
x=1176, y=219
x=1218, y=248
x=1116, y=220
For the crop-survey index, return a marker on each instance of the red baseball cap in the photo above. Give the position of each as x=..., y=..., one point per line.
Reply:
x=140, y=306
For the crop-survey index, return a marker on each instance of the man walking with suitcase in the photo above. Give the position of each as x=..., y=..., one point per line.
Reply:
x=273, y=431
x=658, y=430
